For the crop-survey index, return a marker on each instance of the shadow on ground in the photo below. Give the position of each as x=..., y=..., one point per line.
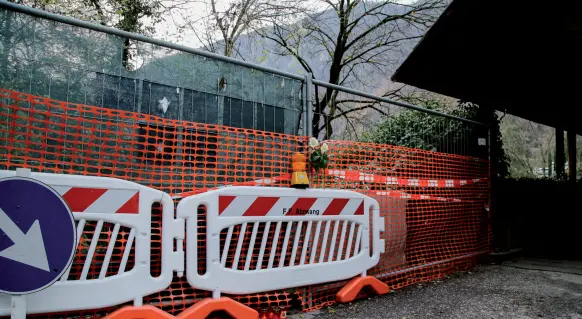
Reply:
x=511, y=290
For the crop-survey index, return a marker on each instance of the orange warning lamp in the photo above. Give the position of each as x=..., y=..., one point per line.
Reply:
x=299, y=177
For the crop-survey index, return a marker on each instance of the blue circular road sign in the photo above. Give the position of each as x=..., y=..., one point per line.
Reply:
x=37, y=236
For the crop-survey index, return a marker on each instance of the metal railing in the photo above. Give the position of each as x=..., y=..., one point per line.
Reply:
x=74, y=61
x=167, y=79
x=348, y=114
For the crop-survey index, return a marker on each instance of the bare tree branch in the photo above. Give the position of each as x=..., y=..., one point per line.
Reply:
x=224, y=22
x=348, y=40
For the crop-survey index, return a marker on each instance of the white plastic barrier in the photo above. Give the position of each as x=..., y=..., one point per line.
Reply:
x=115, y=204
x=262, y=238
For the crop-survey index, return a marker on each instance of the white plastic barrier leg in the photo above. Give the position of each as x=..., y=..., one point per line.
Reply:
x=263, y=238
x=109, y=204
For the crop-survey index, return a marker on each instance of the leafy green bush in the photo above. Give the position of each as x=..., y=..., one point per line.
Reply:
x=424, y=131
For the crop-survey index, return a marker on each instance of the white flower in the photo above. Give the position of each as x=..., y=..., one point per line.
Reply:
x=324, y=148
x=313, y=142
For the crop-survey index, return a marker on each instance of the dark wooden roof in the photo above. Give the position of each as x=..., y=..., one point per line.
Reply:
x=521, y=56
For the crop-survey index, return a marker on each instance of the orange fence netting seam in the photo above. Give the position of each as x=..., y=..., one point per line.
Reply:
x=435, y=205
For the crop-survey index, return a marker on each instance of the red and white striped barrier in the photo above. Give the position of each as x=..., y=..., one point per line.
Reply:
x=109, y=204
x=388, y=180
x=404, y=195
x=282, y=237
x=236, y=206
x=100, y=200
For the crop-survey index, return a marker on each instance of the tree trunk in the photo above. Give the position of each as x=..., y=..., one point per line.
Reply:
x=550, y=164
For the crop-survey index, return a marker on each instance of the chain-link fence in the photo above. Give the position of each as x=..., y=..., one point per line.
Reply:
x=73, y=64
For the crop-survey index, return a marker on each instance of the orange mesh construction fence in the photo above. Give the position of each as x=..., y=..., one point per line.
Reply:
x=435, y=207
x=434, y=204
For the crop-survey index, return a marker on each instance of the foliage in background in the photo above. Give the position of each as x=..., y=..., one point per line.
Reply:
x=531, y=148
x=528, y=145
x=415, y=129
x=137, y=16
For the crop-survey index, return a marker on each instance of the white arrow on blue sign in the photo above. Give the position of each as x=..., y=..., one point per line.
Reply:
x=37, y=236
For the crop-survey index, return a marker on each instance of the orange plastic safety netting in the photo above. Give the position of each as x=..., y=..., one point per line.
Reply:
x=434, y=204
x=435, y=207
x=53, y=136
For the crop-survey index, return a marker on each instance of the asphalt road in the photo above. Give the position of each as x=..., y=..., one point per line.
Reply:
x=495, y=291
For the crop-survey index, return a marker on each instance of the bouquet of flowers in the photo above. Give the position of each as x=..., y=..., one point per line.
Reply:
x=318, y=157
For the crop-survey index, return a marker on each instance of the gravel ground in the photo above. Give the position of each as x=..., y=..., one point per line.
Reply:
x=496, y=291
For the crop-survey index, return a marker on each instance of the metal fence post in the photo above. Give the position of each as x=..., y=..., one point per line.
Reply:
x=303, y=108
x=309, y=107
x=491, y=194
x=489, y=145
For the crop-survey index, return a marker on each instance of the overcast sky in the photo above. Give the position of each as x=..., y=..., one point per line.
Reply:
x=197, y=9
